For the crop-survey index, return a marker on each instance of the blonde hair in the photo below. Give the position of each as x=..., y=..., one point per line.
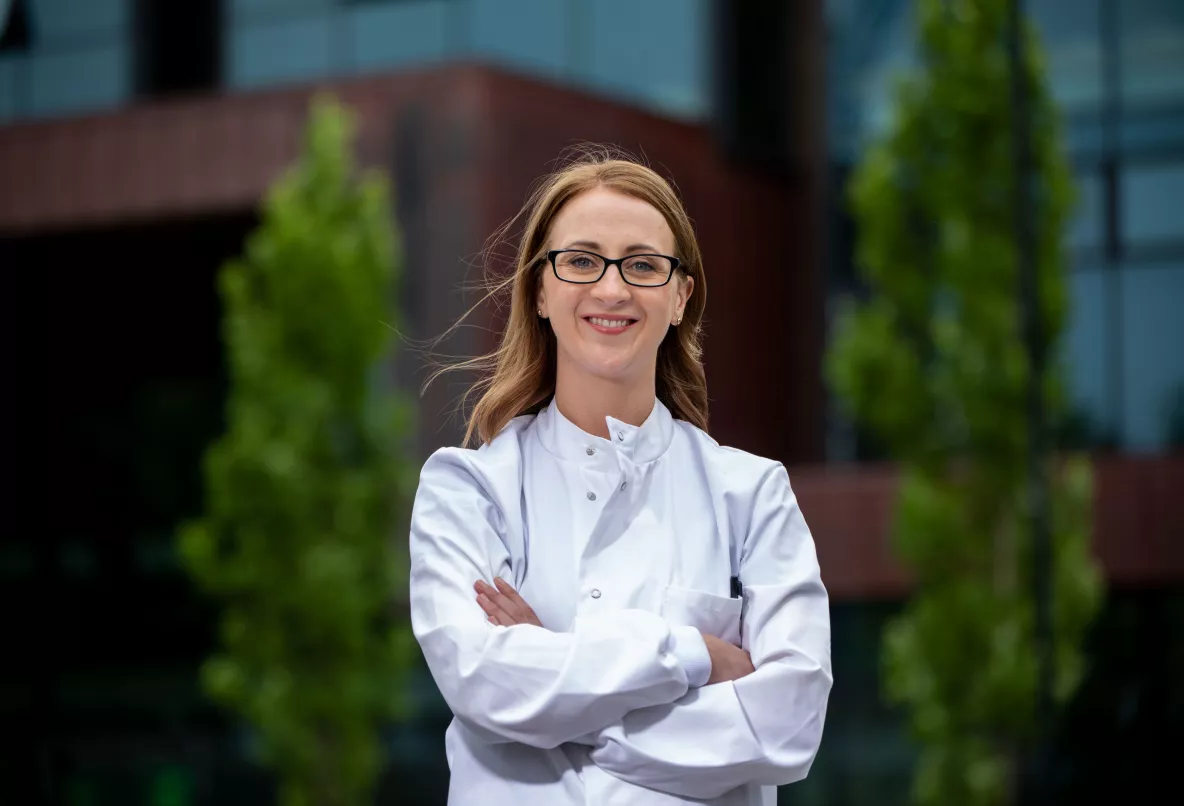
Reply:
x=518, y=377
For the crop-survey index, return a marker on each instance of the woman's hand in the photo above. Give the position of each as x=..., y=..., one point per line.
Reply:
x=727, y=662
x=503, y=605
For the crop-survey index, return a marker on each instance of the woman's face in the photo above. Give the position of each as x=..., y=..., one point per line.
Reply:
x=611, y=329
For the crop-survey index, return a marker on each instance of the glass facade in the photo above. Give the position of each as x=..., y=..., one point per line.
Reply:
x=81, y=55
x=1116, y=69
x=78, y=59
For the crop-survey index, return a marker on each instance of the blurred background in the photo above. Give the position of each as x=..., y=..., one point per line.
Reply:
x=137, y=138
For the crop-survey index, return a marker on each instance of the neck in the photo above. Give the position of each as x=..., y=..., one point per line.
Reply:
x=587, y=401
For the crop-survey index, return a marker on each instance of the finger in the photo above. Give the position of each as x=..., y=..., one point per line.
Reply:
x=517, y=605
x=496, y=606
x=507, y=590
x=510, y=601
x=483, y=588
x=495, y=612
x=487, y=598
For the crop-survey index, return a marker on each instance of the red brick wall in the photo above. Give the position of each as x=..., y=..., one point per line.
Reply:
x=1138, y=524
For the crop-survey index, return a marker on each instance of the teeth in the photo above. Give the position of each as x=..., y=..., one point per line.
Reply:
x=596, y=320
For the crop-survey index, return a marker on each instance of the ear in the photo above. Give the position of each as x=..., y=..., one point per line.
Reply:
x=540, y=302
x=685, y=287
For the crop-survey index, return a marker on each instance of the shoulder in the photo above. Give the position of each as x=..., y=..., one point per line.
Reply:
x=480, y=468
x=740, y=469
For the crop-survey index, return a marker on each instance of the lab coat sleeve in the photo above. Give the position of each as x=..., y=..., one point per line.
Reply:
x=764, y=728
x=522, y=683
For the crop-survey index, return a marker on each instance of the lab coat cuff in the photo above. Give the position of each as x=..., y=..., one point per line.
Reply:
x=688, y=646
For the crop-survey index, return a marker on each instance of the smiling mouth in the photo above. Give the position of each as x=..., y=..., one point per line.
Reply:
x=607, y=324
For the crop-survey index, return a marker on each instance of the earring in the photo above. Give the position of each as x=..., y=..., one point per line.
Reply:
x=541, y=314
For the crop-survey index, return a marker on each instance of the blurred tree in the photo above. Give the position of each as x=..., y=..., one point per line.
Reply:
x=307, y=487
x=933, y=363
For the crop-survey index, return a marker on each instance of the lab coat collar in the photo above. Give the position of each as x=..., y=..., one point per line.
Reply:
x=639, y=444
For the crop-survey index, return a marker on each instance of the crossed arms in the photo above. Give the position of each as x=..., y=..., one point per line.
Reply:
x=617, y=682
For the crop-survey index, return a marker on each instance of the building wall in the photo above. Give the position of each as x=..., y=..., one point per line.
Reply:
x=82, y=53
x=462, y=145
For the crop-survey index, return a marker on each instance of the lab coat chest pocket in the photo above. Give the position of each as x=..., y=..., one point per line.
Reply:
x=710, y=614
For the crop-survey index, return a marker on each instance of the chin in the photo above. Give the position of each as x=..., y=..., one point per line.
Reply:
x=612, y=367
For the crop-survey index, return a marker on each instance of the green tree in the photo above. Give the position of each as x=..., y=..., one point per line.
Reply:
x=933, y=365
x=307, y=487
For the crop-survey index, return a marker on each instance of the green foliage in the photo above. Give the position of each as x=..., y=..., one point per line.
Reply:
x=307, y=488
x=934, y=366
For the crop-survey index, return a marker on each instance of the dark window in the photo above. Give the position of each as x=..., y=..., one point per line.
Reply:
x=178, y=46
x=14, y=27
x=751, y=80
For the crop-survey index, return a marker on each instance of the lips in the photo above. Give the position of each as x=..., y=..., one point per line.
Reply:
x=609, y=324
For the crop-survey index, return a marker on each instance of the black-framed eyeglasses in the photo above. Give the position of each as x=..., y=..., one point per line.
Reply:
x=584, y=267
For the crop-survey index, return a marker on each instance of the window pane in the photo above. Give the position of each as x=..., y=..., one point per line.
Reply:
x=246, y=11
x=1086, y=351
x=1070, y=33
x=869, y=43
x=13, y=72
x=53, y=21
x=1152, y=199
x=1153, y=361
x=1086, y=231
x=653, y=52
x=543, y=36
x=394, y=34
x=275, y=52
x=79, y=80
x=1152, y=51
x=1154, y=128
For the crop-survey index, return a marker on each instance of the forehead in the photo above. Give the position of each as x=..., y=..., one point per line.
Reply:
x=612, y=220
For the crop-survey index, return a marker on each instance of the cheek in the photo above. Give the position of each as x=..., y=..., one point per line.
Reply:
x=550, y=294
x=660, y=310
x=560, y=299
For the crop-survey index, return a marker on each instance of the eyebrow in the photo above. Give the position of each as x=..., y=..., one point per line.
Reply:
x=632, y=249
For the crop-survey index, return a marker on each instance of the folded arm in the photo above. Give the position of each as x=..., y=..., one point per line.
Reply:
x=764, y=728
x=522, y=683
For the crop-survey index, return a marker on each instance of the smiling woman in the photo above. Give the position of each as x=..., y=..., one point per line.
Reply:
x=597, y=206
x=609, y=325
x=616, y=608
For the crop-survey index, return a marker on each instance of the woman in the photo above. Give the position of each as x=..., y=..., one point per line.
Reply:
x=593, y=587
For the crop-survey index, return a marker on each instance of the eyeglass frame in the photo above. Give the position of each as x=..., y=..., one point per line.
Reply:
x=675, y=265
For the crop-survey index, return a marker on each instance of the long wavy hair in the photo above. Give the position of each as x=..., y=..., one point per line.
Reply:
x=518, y=377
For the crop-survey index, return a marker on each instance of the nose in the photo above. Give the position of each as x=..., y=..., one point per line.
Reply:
x=611, y=289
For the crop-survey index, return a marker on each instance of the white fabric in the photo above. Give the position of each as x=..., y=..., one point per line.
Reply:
x=600, y=707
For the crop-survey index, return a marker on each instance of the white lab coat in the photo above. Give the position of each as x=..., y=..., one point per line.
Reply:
x=625, y=549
